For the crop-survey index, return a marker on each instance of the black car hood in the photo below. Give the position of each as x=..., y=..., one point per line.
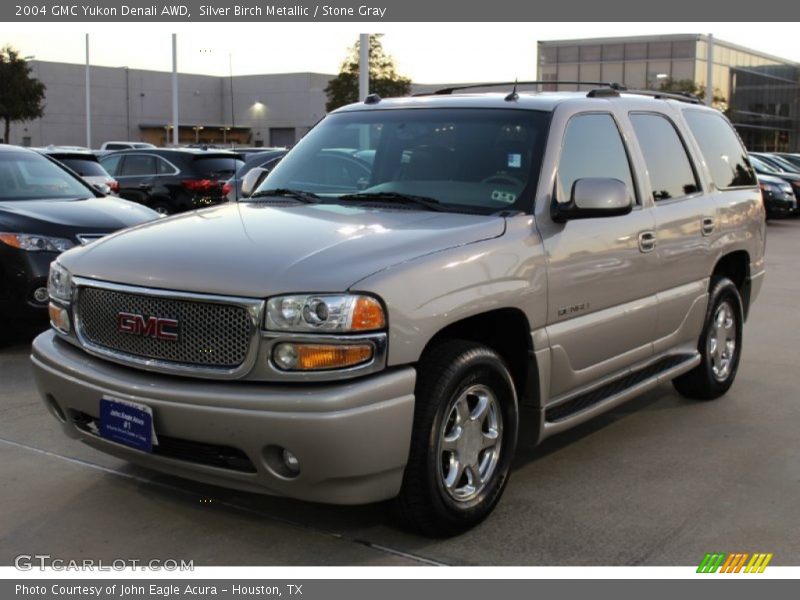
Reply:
x=65, y=218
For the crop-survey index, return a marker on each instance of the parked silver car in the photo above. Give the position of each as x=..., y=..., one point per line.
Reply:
x=351, y=335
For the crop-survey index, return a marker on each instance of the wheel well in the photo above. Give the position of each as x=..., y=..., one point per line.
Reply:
x=736, y=267
x=507, y=332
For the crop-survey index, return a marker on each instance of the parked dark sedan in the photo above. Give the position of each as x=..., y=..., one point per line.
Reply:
x=792, y=158
x=172, y=180
x=763, y=168
x=779, y=198
x=45, y=209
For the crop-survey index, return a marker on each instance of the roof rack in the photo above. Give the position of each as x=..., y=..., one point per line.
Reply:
x=680, y=96
x=457, y=88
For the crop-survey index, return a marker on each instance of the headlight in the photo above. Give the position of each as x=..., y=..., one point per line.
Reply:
x=59, y=283
x=35, y=243
x=325, y=312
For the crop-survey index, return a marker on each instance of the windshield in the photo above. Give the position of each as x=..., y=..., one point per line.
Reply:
x=469, y=160
x=29, y=176
x=761, y=166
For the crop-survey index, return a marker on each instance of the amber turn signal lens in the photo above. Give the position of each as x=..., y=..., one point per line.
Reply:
x=316, y=357
x=367, y=314
x=59, y=317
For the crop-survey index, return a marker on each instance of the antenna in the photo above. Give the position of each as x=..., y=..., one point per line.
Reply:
x=513, y=96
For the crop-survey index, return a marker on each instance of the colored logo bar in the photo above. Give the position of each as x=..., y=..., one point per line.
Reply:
x=735, y=562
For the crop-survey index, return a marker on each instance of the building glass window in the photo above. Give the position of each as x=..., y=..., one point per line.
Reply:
x=548, y=55
x=613, y=51
x=682, y=70
x=636, y=75
x=613, y=71
x=635, y=51
x=568, y=54
x=684, y=49
x=590, y=53
x=659, y=50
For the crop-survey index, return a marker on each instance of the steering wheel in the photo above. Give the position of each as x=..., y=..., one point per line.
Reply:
x=502, y=178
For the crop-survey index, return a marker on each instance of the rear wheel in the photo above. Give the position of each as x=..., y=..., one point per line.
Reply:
x=161, y=208
x=465, y=433
x=720, y=345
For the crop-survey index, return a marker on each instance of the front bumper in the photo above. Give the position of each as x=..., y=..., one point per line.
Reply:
x=21, y=273
x=351, y=438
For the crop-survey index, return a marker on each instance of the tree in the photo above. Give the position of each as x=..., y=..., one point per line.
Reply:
x=384, y=79
x=689, y=85
x=21, y=95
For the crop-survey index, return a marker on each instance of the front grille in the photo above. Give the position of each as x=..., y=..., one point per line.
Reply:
x=209, y=335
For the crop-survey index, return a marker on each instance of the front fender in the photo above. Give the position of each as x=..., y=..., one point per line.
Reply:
x=429, y=293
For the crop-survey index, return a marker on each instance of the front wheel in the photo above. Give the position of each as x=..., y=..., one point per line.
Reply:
x=463, y=441
x=720, y=345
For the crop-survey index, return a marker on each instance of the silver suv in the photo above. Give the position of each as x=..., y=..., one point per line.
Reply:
x=371, y=322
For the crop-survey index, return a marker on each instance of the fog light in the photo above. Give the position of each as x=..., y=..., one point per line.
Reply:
x=291, y=462
x=41, y=295
x=318, y=357
x=285, y=356
x=59, y=317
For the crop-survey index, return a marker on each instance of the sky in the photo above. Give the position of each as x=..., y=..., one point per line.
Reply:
x=426, y=52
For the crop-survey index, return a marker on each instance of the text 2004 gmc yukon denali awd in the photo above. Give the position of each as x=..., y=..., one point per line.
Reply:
x=416, y=272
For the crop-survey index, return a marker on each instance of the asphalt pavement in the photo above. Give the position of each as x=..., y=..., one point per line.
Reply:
x=659, y=481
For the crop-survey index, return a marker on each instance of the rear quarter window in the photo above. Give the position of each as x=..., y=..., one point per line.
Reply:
x=85, y=167
x=216, y=167
x=723, y=152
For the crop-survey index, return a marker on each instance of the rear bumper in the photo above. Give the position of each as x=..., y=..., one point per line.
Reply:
x=351, y=438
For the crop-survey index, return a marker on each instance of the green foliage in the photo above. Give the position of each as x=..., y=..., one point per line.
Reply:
x=689, y=85
x=21, y=95
x=384, y=79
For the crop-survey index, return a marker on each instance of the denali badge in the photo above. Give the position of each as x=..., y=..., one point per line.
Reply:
x=154, y=327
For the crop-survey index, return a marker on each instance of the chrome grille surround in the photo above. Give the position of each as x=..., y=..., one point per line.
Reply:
x=222, y=343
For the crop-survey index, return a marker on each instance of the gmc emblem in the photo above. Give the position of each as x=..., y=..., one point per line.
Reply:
x=154, y=327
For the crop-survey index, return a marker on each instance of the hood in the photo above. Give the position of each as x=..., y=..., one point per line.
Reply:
x=771, y=179
x=65, y=218
x=258, y=249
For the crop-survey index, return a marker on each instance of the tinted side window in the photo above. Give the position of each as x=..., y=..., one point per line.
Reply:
x=139, y=164
x=726, y=157
x=164, y=168
x=111, y=164
x=671, y=174
x=592, y=148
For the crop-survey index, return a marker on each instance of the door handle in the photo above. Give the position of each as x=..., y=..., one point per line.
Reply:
x=145, y=186
x=707, y=226
x=647, y=241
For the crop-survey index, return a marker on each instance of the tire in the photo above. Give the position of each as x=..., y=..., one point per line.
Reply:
x=717, y=369
x=456, y=381
x=162, y=208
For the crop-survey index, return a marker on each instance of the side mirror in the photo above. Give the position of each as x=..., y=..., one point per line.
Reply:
x=252, y=180
x=594, y=197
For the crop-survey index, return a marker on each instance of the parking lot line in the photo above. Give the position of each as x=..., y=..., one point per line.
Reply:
x=230, y=505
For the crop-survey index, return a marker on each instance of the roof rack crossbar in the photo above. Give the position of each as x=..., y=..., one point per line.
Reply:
x=457, y=88
x=680, y=96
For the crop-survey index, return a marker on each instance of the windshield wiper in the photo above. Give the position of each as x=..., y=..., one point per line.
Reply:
x=396, y=198
x=300, y=195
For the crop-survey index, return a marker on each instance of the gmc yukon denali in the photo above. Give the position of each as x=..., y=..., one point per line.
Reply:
x=372, y=320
